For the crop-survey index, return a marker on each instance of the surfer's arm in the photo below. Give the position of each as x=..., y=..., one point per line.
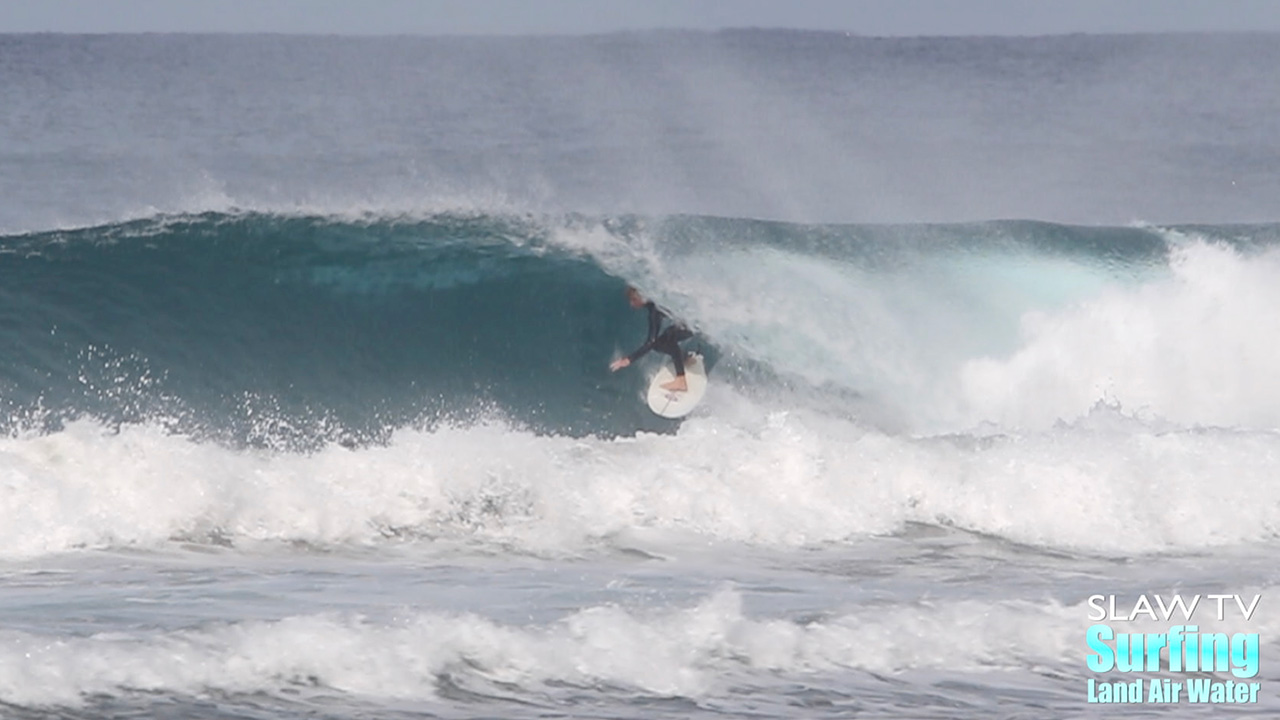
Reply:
x=655, y=324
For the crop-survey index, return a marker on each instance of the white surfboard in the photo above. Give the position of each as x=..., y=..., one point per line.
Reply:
x=673, y=403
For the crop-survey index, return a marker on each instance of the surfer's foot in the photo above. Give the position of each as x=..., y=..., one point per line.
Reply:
x=690, y=359
x=677, y=385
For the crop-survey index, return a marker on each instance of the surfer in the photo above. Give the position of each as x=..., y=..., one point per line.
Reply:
x=666, y=342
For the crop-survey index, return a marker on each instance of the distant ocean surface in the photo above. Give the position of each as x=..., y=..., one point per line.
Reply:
x=305, y=408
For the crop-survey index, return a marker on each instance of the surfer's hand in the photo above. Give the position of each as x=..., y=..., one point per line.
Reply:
x=620, y=363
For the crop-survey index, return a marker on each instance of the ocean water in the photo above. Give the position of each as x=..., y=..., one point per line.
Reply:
x=305, y=408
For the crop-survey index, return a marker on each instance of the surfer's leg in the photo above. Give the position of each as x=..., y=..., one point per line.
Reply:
x=668, y=343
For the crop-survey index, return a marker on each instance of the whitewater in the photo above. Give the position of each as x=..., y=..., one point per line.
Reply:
x=306, y=408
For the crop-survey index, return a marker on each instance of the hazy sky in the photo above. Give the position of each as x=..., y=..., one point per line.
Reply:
x=868, y=17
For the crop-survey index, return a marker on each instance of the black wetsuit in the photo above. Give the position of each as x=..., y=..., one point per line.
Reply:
x=666, y=342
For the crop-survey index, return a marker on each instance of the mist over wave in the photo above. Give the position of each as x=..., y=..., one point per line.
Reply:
x=804, y=126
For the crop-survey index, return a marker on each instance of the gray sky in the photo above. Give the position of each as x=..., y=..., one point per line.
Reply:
x=432, y=17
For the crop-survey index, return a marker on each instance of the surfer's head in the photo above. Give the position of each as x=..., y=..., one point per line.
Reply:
x=634, y=297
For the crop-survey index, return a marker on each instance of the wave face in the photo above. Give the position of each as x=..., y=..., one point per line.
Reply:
x=270, y=327
x=266, y=328
x=446, y=377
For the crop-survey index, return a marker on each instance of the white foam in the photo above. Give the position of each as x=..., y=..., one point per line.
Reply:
x=1195, y=348
x=737, y=474
x=952, y=341
x=90, y=486
x=699, y=651
x=897, y=334
x=813, y=318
